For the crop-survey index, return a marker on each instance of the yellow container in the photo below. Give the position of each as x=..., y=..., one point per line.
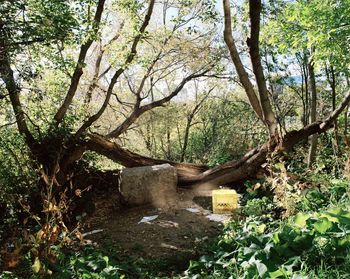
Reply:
x=224, y=201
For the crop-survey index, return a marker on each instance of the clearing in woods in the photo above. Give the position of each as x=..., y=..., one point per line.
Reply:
x=179, y=233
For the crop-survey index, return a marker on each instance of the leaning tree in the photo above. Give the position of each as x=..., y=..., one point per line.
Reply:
x=258, y=96
x=147, y=56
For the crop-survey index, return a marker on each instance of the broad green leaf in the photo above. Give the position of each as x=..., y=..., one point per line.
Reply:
x=300, y=219
x=36, y=265
x=323, y=225
x=345, y=242
x=277, y=274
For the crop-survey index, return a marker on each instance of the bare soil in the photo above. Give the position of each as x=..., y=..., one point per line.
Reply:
x=173, y=238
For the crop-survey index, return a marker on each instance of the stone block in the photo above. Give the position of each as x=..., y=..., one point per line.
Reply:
x=149, y=185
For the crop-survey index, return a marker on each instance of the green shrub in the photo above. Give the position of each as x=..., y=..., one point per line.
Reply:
x=17, y=177
x=255, y=248
x=330, y=193
x=88, y=264
x=257, y=207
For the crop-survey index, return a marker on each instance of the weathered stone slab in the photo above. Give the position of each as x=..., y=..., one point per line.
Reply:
x=152, y=184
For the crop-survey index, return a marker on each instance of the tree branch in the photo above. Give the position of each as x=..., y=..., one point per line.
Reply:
x=138, y=111
x=242, y=74
x=7, y=75
x=78, y=71
x=117, y=74
x=253, y=44
x=97, y=76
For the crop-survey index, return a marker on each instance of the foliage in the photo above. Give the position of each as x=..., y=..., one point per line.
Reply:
x=28, y=22
x=256, y=207
x=313, y=241
x=17, y=178
x=321, y=25
x=215, y=135
x=328, y=193
x=42, y=39
x=88, y=264
x=254, y=249
x=224, y=134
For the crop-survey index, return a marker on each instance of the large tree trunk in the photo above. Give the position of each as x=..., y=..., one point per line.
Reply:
x=331, y=77
x=313, y=138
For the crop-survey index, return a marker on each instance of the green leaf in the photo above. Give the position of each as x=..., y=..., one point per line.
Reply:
x=322, y=225
x=36, y=265
x=275, y=238
x=300, y=219
x=345, y=242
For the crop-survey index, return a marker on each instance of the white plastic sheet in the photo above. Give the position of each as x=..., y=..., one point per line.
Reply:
x=147, y=219
x=218, y=217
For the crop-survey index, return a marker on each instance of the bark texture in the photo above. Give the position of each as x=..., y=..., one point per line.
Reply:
x=242, y=73
x=253, y=44
x=313, y=138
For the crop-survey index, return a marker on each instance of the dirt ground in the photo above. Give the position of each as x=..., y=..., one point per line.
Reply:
x=178, y=234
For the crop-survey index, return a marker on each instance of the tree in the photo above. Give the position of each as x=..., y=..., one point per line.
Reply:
x=314, y=31
x=251, y=162
x=160, y=57
x=142, y=65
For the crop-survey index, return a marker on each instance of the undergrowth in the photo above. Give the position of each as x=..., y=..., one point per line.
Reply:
x=287, y=227
x=311, y=242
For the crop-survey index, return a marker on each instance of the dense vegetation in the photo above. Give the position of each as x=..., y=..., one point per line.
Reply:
x=307, y=244
x=90, y=86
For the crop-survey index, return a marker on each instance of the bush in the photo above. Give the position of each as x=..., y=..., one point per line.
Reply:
x=332, y=192
x=261, y=248
x=88, y=264
x=17, y=178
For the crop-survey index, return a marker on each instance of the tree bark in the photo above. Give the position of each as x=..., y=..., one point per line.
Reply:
x=242, y=74
x=130, y=159
x=331, y=78
x=253, y=44
x=313, y=138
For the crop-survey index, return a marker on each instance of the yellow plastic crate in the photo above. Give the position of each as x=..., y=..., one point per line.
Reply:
x=224, y=201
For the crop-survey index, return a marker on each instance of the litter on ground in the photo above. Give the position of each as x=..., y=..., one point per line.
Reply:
x=193, y=210
x=218, y=217
x=148, y=219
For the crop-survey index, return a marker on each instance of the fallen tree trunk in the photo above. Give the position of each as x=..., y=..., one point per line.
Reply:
x=191, y=174
x=228, y=173
x=188, y=174
x=130, y=159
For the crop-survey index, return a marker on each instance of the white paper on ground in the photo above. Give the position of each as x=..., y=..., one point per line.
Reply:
x=193, y=210
x=206, y=212
x=147, y=219
x=218, y=217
